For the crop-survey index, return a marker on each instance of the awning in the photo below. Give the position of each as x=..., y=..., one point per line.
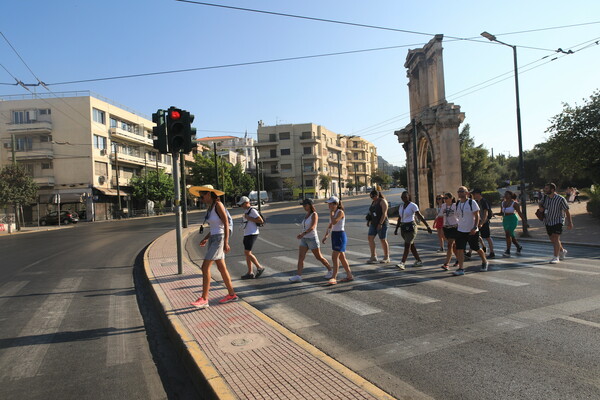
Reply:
x=112, y=192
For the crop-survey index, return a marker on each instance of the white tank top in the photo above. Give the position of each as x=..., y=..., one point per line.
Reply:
x=510, y=209
x=216, y=225
x=306, y=225
x=340, y=225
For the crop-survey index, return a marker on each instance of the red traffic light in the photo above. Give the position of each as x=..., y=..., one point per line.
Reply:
x=175, y=114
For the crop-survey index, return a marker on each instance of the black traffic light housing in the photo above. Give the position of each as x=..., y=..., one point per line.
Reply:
x=159, y=132
x=181, y=136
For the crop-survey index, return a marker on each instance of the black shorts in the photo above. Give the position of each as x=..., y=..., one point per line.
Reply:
x=484, y=231
x=450, y=233
x=249, y=241
x=554, y=229
x=462, y=238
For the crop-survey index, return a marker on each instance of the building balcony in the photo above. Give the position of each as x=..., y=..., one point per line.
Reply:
x=309, y=156
x=335, y=147
x=311, y=139
x=43, y=151
x=267, y=143
x=119, y=133
x=41, y=127
x=44, y=180
x=138, y=159
x=267, y=158
x=122, y=182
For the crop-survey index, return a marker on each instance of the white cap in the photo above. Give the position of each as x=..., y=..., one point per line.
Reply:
x=333, y=199
x=243, y=200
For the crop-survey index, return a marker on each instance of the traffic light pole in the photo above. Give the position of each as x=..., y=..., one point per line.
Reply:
x=177, y=187
x=184, y=191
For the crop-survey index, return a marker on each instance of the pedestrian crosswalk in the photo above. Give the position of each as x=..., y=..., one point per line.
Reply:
x=420, y=286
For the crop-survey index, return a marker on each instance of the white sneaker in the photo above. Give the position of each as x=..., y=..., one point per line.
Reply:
x=329, y=274
x=296, y=278
x=562, y=254
x=554, y=260
x=385, y=261
x=373, y=260
x=418, y=264
x=401, y=266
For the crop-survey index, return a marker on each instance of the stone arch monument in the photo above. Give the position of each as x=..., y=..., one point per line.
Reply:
x=432, y=134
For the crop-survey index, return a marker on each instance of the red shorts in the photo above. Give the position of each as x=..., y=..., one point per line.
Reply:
x=438, y=223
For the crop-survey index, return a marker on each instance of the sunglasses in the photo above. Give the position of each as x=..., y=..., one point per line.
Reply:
x=462, y=191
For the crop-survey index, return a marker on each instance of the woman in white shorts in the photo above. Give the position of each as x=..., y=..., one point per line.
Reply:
x=218, y=244
x=309, y=240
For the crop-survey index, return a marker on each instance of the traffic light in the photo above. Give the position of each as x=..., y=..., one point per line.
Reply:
x=159, y=133
x=190, y=133
x=176, y=129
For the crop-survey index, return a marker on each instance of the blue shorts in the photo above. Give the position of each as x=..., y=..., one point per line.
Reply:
x=338, y=241
x=311, y=243
x=382, y=233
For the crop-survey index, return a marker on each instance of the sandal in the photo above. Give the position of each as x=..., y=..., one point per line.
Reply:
x=445, y=267
x=331, y=282
x=248, y=276
x=347, y=279
x=259, y=272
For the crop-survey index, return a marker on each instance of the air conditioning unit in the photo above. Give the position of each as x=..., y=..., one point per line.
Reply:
x=101, y=179
x=7, y=145
x=103, y=152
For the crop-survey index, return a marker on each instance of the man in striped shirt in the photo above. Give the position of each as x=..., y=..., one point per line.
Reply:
x=555, y=208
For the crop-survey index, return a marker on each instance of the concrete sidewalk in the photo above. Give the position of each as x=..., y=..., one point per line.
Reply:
x=233, y=351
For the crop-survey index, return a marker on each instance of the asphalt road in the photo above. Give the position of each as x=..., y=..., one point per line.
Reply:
x=525, y=329
x=71, y=323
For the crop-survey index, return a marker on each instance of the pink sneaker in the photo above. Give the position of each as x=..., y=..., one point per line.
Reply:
x=200, y=303
x=228, y=299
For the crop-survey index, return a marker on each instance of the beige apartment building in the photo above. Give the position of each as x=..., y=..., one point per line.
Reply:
x=305, y=151
x=76, y=144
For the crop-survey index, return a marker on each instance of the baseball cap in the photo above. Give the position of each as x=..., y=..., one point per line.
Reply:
x=307, y=201
x=333, y=199
x=243, y=200
x=476, y=191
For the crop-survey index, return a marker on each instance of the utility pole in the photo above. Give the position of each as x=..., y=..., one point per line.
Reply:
x=415, y=164
x=356, y=180
x=183, y=191
x=157, y=182
x=216, y=165
x=340, y=175
x=302, y=173
x=146, y=181
x=14, y=161
x=116, y=153
x=257, y=178
x=177, y=187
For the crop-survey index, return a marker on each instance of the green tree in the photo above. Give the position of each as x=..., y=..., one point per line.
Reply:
x=477, y=170
x=16, y=188
x=399, y=177
x=574, y=142
x=243, y=183
x=381, y=178
x=324, y=182
x=288, y=183
x=160, y=186
x=350, y=184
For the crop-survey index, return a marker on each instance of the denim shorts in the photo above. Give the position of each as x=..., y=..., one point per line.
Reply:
x=382, y=233
x=338, y=241
x=214, y=250
x=311, y=243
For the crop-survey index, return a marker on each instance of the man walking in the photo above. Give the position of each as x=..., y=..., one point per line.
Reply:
x=555, y=207
x=467, y=212
x=252, y=220
x=485, y=213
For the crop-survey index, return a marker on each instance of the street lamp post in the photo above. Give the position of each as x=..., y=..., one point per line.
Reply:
x=492, y=38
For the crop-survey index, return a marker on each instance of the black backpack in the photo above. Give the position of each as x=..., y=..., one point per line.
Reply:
x=260, y=214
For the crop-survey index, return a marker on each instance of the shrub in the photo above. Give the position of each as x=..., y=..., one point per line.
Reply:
x=492, y=196
x=593, y=206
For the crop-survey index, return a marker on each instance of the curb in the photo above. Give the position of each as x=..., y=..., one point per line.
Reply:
x=204, y=375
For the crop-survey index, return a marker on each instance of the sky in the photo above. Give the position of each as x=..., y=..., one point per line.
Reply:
x=362, y=93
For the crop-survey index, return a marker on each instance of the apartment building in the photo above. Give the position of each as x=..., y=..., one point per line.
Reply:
x=234, y=149
x=76, y=144
x=305, y=151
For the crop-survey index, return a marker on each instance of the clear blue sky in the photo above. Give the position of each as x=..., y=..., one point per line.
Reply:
x=349, y=94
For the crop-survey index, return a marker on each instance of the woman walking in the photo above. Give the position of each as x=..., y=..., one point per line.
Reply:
x=450, y=224
x=408, y=229
x=438, y=223
x=338, y=239
x=309, y=240
x=510, y=209
x=218, y=244
x=377, y=221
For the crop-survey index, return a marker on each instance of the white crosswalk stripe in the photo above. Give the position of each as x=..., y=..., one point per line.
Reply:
x=10, y=289
x=488, y=277
x=24, y=361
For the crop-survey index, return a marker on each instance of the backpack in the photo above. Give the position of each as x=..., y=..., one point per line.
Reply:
x=260, y=214
x=229, y=219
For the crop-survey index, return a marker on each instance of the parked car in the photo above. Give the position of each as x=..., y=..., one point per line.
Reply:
x=66, y=217
x=264, y=197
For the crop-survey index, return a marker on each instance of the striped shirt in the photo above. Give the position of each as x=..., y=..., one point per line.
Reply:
x=554, y=209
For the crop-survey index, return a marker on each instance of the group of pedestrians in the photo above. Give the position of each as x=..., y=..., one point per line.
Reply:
x=460, y=221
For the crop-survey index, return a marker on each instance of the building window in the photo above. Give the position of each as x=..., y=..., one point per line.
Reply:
x=273, y=153
x=113, y=123
x=284, y=136
x=46, y=139
x=24, y=143
x=272, y=137
x=24, y=116
x=305, y=135
x=286, y=167
x=309, y=168
x=99, y=116
x=285, y=152
x=28, y=168
x=309, y=183
x=308, y=150
x=45, y=111
x=99, y=142
x=274, y=169
x=47, y=165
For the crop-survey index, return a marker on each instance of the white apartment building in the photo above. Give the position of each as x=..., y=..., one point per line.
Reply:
x=76, y=144
x=242, y=147
x=305, y=151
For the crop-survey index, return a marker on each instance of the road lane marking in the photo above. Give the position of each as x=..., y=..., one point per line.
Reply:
x=567, y=270
x=271, y=243
x=118, y=345
x=536, y=275
x=25, y=358
x=581, y=321
x=10, y=289
x=501, y=281
x=454, y=287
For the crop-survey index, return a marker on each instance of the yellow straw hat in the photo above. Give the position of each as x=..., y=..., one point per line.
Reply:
x=196, y=190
